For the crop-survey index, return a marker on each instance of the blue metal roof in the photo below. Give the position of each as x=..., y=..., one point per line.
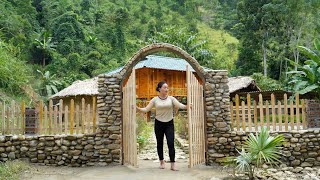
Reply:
x=160, y=62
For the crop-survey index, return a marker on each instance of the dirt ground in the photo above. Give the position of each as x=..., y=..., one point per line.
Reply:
x=147, y=170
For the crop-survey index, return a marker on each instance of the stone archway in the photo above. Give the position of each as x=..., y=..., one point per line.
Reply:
x=216, y=103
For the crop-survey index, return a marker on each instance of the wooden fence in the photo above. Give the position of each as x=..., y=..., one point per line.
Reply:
x=50, y=120
x=12, y=118
x=285, y=115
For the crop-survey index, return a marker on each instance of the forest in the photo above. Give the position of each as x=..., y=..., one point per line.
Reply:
x=46, y=45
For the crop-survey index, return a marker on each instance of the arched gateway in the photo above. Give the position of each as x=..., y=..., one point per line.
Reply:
x=209, y=114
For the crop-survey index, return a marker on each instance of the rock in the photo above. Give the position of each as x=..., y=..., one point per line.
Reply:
x=2, y=150
x=312, y=154
x=57, y=152
x=113, y=146
x=89, y=146
x=114, y=136
x=223, y=140
x=60, y=163
x=11, y=156
x=113, y=128
x=74, y=153
x=306, y=164
x=23, y=149
x=294, y=140
x=104, y=151
x=66, y=142
x=295, y=162
x=297, y=169
x=71, y=138
x=41, y=156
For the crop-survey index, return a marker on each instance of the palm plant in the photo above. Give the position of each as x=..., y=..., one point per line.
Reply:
x=307, y=77
x=48, y=83
x=44, y=42
x=257, y=150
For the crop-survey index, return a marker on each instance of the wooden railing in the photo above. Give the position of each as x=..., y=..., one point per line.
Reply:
x=12, y=117
x=49, y=120
x=69, y=119
x=285, y=115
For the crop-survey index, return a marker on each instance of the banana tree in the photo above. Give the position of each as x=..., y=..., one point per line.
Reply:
x=307, y=77
x=48, y=83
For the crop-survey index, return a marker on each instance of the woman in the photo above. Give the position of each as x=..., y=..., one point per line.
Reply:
x=163, y=125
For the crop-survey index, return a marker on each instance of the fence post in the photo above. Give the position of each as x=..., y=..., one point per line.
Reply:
x=298, y=111
x=50, y=116
x=285, y=101
x=71, y=116
x=237, y=112
x=94, y=100
x=40, y=116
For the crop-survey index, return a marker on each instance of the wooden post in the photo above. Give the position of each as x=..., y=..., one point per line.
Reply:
x=249, y=111
x=298, y=111
x=55, y=120
x=77, y=119
x=273, y=106
x=291, y=115
x=12, y=127
x=88, y=118
x=280, y=115
x=71, y=116
x=231, y=115
x=243, y=116
x=304, y=124
x=237, y=112
x=2, y=116
x=60, y=116
x=285, y=101
x=46, y=122
x=66, y=119
x=261, y=110
x=83, y=115
x=267, y=115
x=50, y=116
x=255, y=115
x=94, y=114
x=40, y=116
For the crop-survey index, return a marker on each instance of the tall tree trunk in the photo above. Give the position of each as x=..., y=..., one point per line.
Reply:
x=264, y=54
x=44, y=60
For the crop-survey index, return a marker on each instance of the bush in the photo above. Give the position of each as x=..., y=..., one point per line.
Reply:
x=180, y=124
x=144, y=131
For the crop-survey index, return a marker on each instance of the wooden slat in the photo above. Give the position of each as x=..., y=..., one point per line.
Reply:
x=60, y=116
x=189, y=117
x=285, y=101
x=40, y=117
x=7, y=111
x=66, y=119
x=237, y=112
x=71, y=123
x=83, y=120
x=2, y=114
x=77, y=122
x=297, y=111
x=279, y=116
x=243, y=116
x=50, y=116
x=88, y=119
x=261, y=110
x=12, y=123
x=46, y=122
x=267, y=116
x=249, y=111
x=273, y=105
x=94, y=120
x=304, y=124
x=231, y=116
x=255, y=115
x=23, y=116
x=55, y=120
x=291, y=114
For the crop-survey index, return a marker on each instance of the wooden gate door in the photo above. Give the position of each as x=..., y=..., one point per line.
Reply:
x=129, y=121
x=196, y=120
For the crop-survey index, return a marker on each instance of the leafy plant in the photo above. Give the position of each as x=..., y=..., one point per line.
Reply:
x=257, y=150
x=144, y=130
x=307, y=77
x=48, y=84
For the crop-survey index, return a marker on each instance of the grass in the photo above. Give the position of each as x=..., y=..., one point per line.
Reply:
x=180, y=124
x=12, y=169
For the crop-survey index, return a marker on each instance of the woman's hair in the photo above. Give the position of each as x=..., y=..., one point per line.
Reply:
x=160, y=84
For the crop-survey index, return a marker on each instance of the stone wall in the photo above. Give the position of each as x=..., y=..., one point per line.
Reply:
x=80, y=150
x=301, y=148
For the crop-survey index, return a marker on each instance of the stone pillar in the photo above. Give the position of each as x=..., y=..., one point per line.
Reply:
x=109, y=110
x=313, y=113
x=218, y=115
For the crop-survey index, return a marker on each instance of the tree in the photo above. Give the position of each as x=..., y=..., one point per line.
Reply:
x=188, y=41
x=45, y=44
x=307, y=77
x=48, y=84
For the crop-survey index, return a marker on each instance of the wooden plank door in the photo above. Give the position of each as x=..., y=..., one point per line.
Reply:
x=196, y=120
x=129, y=122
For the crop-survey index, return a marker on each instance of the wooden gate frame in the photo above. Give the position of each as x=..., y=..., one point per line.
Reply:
x=200, y=133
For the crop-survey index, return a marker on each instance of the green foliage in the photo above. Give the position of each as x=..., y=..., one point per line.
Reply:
x=307, y=78
x=144, y=130
x=266, y=83
x=48, y=84
x=180, y=125
x=12, y=169
x=257, y=150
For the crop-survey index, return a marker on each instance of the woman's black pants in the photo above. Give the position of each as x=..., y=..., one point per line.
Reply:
x=161, y=129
